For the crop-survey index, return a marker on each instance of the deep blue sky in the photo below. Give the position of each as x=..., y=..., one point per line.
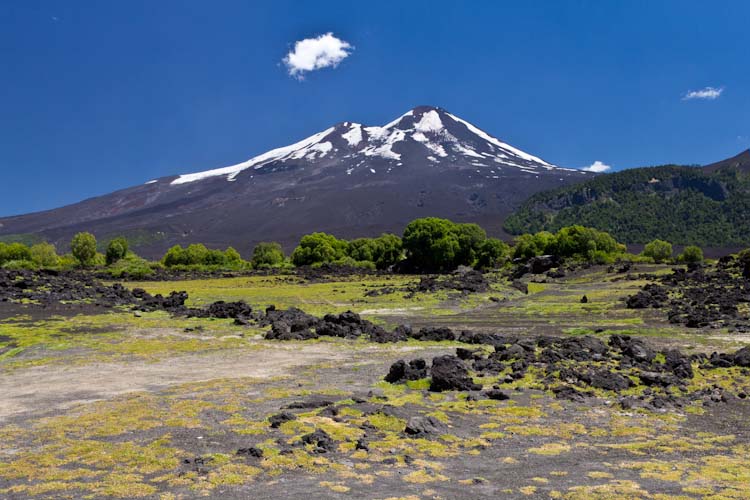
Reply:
x=99, y=95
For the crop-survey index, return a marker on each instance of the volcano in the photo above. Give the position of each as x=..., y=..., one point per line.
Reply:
x=350, y=180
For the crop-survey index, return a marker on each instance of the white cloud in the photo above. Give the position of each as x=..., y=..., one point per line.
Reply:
x=597, y=167
x=316, y=53
x=708, y=93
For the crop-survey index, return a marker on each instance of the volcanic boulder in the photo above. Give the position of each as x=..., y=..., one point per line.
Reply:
x=449, y=374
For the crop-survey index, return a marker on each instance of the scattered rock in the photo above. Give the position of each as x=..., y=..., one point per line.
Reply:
x=311, y=403
x=449, y=374
x=434, y=334
x=424, y=426
x=401, y=371
x=571, y=393
x=320, y=439
x=497, y=395
x=651, y=295
x=276, y=420
x=252, y=452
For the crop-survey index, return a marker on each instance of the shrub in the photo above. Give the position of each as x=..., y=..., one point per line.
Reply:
x=232, y=256
x=197, y=254
x=492, y=253
x=175, y=256
x=83, y=247
x=67, y=261
x=18, y=265
x=691, y=254
x=585, y=242
x=658, y=250
x=530, y=245
x=44, y=255
x=14, y=251
x=319, y=248
x=116, y=250
x=131, y=266
x=267, y=254
x=213, y=258
x=363, y=249
x=578, y=242
x=383, y=251
x=349, y=262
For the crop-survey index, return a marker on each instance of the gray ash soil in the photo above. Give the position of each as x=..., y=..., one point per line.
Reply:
x=526, y=396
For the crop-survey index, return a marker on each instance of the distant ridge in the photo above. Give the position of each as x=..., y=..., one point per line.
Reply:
x=741, y=162
x=707, y=206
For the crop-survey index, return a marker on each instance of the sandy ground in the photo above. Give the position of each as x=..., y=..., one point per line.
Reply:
x=58, y=387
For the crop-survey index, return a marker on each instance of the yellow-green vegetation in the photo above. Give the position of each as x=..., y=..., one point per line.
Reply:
x=550, y=449
x=317, y=298
x=115, y=336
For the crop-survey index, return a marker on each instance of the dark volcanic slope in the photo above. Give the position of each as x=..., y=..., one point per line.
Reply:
x=740, y=162
x=350, y=180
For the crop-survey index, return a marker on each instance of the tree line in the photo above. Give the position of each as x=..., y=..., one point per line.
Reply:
x=428, y=244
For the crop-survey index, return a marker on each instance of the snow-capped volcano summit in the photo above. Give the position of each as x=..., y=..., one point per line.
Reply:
x=350, y=179
x=423, y=134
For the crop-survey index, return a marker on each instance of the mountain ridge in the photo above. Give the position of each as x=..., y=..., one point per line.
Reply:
x=350, y=178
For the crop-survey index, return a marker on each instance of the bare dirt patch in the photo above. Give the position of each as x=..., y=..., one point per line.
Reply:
x=50, y=388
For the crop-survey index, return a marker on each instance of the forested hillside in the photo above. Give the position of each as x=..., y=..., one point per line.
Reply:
x=685, y=205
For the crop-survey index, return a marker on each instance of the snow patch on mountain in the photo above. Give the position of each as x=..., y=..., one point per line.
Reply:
x=484, y=135
x=275, y=154
x=354, y=135
x=385, y=149
x=422, y=133
x=430, y=122
x=435, y=148
x=466, y=151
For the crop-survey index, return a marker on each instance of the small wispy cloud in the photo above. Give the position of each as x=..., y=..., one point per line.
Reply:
x=312, y=54
x=708, y=94
x=597, y=167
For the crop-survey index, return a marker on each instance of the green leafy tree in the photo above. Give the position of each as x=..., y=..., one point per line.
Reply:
x=116, y=249
x=44, y=255
x=83, y=247
x=658, y=250
x=363, y=249
x=390, y=250
x=492, y=252
x=383, y=251
x=267, y=254
x=319, y=248
x=432, y=243
x=530, y=245
x=691, y=254
x=470, y=238
x=196, y=253
x=585, y=242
